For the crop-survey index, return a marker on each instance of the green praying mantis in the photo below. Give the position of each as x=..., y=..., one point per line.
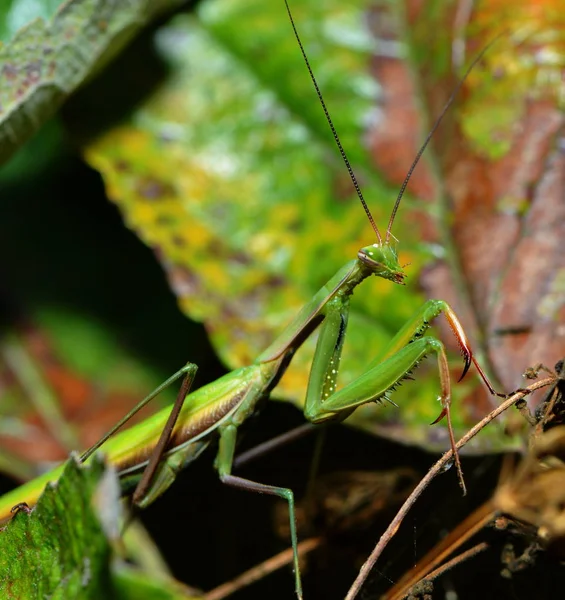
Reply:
x=149, y=455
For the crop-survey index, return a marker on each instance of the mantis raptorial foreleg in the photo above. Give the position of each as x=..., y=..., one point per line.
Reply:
x=388, y=369
x=395, y=363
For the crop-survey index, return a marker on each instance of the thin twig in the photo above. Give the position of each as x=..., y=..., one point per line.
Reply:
x=481, y=547
x=260, y=571
x=274, y=443
x=418, y=588
x=435, y=470
x=463, y=532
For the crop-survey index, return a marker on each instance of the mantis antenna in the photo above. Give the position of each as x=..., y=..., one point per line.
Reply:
x=431, y=133
x=420, y=151
x=334, y=132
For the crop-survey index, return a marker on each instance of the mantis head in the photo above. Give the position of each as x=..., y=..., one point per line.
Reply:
x=382, y=259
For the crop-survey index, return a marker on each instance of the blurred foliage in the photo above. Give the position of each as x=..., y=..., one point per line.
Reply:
x=76, y=353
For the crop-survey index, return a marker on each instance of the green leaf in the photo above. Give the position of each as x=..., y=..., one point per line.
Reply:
x=229, y=172
x=62, y=549
x=251, y=210
x=59, y=550
x=51, y=48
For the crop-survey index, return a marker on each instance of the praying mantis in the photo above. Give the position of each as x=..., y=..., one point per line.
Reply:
x=150, y=454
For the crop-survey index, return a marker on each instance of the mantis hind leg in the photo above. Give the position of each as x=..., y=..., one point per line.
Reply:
x=145, y=490
x=146, y=481
x=188, y=371
x=224, y=462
